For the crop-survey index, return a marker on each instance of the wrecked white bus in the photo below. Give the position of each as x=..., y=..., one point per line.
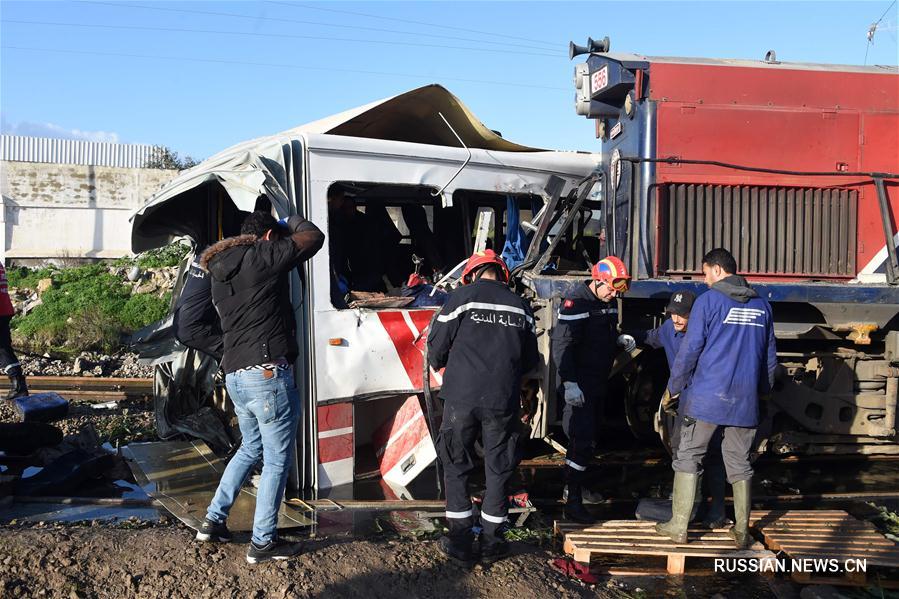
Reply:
x=435, y=183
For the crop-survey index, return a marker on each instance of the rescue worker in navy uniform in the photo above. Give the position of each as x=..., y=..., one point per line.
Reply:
x=197, y=324
x=583, y=346
x=484, y=336
x=669, y=337
x=727, y=360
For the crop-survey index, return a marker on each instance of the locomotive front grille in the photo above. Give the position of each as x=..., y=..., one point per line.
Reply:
x=809, y=232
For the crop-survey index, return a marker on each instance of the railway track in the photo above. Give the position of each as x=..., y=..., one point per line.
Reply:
x=87, y=388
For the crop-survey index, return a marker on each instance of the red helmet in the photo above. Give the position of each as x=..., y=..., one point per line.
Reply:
x=612, y=271
x=479, y=259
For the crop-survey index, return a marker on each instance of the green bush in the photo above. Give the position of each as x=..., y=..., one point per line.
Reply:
x=88, y=308
x=28, y=278
x=141, y=310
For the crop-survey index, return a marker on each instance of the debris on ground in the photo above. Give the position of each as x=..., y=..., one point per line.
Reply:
x=41, y=407
x=886, y=521
x=23, y=438
x=573, y=569
x=131, y=420
x=48, y=464
x=65, y=474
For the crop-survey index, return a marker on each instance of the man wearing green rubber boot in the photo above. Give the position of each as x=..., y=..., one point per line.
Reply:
x=725, y=363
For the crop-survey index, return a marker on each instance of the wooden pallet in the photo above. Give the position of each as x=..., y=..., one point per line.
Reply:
x=827, y=534
x=638, y=537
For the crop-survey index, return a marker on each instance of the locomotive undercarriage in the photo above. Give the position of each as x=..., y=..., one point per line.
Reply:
x=843, y=401
x=840, y=400
x=836, y=388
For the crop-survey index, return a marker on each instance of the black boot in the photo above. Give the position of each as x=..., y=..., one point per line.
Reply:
x=574, y=499
x=493, y=549
x=17, y=386
x=456, y=548
x=457, y=543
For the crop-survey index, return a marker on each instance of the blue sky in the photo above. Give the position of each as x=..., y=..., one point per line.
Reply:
x=119, y=70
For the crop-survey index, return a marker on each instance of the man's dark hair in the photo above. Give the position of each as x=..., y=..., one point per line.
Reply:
x=721, y=257
x=258, y=223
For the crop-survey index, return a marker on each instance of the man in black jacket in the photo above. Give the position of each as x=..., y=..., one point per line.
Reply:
x=484, y=336
x=250, y=291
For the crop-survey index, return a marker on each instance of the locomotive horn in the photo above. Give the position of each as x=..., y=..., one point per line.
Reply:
x=598, y=45
x=575, y=50
x=592, y=46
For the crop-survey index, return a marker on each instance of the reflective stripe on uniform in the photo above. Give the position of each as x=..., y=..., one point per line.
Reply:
x=484, y=306
x=577, y=467
x=493, y=519
x=581, y=315
x=466, y=514
x=574, y=316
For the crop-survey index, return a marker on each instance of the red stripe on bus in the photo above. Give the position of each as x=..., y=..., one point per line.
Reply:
x=335, y=448
x=403, y=341
x=335, y=416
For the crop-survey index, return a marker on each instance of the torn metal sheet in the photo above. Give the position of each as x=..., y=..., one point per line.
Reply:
x=414, y=116
x=269, y=165
x=183, y=477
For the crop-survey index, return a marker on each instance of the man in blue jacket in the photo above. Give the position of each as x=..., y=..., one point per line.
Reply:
x=726, y=361
x=669, y=337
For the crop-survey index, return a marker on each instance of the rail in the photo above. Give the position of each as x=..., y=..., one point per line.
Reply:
x=86, y=388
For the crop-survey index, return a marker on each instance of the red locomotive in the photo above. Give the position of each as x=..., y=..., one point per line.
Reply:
x=795, y=169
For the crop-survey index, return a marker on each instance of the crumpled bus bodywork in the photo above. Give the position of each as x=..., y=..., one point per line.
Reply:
x=358, y=366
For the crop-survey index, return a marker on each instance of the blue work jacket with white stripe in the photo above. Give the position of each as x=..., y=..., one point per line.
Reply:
x=663, y=336
x=583, y=340
x=728, y=356
x=484, y=336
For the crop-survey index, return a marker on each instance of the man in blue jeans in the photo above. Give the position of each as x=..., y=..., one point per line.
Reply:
x=250, y=292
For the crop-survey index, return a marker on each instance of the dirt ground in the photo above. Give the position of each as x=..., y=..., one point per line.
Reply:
x=165, y=561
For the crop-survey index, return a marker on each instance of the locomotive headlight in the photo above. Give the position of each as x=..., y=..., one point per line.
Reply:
x=630, y=104
x=580, y=71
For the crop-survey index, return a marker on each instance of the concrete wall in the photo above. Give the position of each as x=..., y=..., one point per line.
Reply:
x=74, y=211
